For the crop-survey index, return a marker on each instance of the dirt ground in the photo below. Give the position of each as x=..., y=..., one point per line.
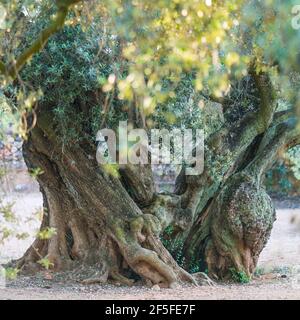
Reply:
x=277, y=276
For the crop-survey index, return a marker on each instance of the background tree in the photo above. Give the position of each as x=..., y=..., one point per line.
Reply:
x=132, y=60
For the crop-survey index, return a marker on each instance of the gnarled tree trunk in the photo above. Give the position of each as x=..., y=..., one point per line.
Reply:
x=97, y=222
x=233, y=214
x=223, y=217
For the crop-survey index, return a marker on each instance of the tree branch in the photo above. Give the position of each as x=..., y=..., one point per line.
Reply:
x=213, y=98
x=2, y=68
x=12, y=69
x=266, y=94
x=227, y=145
x=282, y=116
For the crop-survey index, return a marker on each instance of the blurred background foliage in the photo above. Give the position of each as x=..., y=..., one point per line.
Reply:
x=284, y=178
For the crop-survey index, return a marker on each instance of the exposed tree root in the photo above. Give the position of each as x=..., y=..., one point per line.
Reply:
x=99, y=259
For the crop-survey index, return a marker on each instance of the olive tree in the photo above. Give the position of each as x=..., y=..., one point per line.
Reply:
x=97, y=63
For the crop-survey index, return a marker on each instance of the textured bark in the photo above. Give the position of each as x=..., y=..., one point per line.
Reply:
x=233, y=213
x=97, y=221
x=223, y=217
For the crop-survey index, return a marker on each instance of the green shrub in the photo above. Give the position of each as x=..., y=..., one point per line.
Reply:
x=239, y=276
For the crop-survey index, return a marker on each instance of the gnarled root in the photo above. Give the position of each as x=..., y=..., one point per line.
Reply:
x=145, y=254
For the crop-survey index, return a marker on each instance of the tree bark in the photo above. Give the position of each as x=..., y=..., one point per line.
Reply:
x=222, y=218
x=97, y=222
x=233, y=213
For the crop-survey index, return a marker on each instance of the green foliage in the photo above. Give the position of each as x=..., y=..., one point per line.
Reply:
x=274, y=40
x=9, y=223
x=70, y=58
x=259, y=271
x=7, y=118
x=173, y=112
x=194, y=267
x=22, y=235
x=6, y=210
x=169, y=230
x=284, y=177
x=2, y=173
x=139, y=53
x=5, y=233
x=11, y=273
x=293, y=156
x=175, y=247
x=167, y=39
x=128, y=51
x=152, y=57
x=34, y=173
x=6, y=215
x=111, y=169
x=46, y=233
x=46, y=263
x=239, y=276
x=277, y=179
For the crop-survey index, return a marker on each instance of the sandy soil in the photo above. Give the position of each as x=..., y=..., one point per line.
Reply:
x=278, y=273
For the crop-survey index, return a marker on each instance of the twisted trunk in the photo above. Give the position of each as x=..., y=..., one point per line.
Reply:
x=232, y=214
x=222, y=218
x=96, y=221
